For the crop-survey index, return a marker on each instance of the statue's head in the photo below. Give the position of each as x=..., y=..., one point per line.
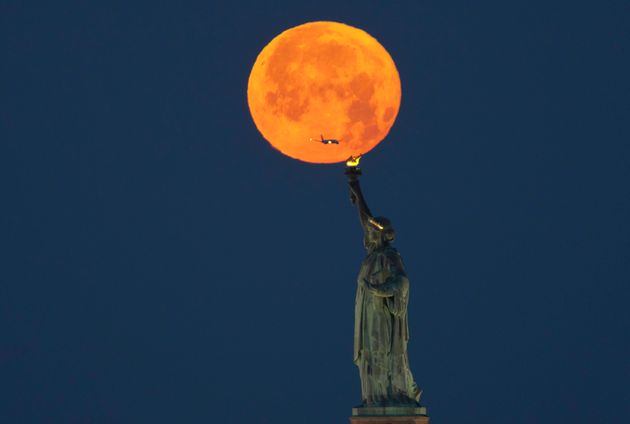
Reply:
x=379, y=233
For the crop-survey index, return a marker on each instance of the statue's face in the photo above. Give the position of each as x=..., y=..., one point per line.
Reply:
x=377, y=237
x=373, y=239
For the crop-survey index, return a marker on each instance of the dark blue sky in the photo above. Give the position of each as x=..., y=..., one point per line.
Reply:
x=160, y=263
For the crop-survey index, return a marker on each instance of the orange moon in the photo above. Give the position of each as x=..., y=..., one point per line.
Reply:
x=324, y=79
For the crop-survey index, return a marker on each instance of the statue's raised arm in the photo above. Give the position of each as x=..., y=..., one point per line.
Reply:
x=356, y=195
x=377, y=230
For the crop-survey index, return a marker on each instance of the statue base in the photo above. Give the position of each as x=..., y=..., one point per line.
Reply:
x=390, y=415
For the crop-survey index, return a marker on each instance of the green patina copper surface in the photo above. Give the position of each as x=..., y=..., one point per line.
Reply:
x=381, y=328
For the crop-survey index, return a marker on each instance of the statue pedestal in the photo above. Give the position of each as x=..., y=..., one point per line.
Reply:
x=390, y=415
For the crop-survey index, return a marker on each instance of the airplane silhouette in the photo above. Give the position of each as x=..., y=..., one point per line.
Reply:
x=326, y=141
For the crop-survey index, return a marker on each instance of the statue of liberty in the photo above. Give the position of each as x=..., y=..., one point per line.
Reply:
x=381, y=328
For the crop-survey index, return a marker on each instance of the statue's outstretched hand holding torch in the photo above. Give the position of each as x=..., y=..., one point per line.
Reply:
x=356, y=196
x=352, y=172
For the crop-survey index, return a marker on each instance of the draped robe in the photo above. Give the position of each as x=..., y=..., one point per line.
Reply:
x=381, y=330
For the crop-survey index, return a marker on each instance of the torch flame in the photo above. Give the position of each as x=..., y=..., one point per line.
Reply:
x=353, y=161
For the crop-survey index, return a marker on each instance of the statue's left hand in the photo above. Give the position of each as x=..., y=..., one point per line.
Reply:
x=370, y=287
x=381, y=290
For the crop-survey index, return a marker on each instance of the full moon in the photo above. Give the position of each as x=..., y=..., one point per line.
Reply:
x=324, y=91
